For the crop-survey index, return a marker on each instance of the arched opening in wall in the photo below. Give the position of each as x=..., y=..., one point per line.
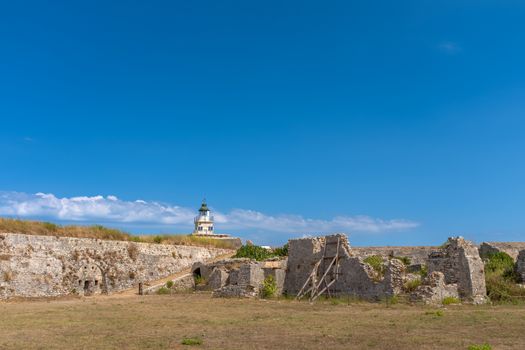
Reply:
x=197, y=273
x=86, y=287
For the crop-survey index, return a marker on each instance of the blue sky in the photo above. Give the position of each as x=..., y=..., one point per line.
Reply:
x=396, y=122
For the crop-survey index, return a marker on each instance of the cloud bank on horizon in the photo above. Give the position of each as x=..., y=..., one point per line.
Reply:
x=111, y=209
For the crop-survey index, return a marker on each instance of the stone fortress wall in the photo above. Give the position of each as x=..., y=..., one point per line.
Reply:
x=47, y=266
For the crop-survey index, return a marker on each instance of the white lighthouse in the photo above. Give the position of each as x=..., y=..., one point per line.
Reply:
x=204, y=221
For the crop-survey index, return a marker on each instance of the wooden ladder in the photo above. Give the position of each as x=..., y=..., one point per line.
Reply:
x=316, y=287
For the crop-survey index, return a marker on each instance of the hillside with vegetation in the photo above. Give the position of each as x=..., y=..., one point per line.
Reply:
x=42, y=228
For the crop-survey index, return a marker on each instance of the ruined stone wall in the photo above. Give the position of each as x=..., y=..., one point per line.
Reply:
x=417, y=254
x=511, y=248
x=354, y=276
x=461, y=264
x=44, y=266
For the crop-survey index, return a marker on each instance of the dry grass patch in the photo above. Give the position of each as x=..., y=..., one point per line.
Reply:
x=164, y=321
x=30, y=227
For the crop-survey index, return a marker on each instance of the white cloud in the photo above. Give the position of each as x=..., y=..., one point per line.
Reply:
x=114, y=210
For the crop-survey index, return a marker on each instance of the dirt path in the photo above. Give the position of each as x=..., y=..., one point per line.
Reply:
x=134, y=291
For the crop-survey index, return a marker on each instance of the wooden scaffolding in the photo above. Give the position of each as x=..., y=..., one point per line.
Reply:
x=314, y=286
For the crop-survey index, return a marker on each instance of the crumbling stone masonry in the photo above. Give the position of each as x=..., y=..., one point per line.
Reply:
x=43, y=266
x=460, y=263
x=239, y=277
x=354, y=277
x=434, y=289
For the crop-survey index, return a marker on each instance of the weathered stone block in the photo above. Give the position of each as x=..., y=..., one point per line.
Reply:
x=184, y=283
x=218, y=278
x=250, y=274
x=434, y=289
x=461, y=264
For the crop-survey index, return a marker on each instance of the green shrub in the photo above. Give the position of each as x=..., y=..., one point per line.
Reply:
x=404, y=259
x=157, y=239
x=412, y=285
x=499, y=261
x=281, y=251
x=269, y=287
x=376, y=262
x=450, y=300
x=199, y=280
x=169, y=284
x=501, y=280
x=192, y=341
x=253, y=252
x=424, y=271
x=480, y=347
x=163, y=290
x=503, y=290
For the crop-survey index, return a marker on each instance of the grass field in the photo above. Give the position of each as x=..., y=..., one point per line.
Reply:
x=167, y=321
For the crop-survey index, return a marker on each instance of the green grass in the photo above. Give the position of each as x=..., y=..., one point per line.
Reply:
x=199, y=280
x=480, y=347
x=437, y=313
x=450, y=301
x=191, y=341
x=163, y=291
x=412, y=285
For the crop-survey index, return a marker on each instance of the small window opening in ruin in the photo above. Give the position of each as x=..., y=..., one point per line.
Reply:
x=197, y=272
x=298, y=267
x=79, y=282
x=86, y=286
x=92, y=267
x=85, y=267
x=96, y=282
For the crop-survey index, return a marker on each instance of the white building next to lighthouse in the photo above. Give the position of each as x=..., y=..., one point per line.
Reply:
x=204, y=221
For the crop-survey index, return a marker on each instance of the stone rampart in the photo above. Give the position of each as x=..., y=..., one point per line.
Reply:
x=46, y=266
